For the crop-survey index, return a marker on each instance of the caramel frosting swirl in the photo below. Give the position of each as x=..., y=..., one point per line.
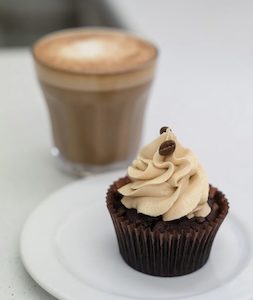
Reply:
x=171, y=186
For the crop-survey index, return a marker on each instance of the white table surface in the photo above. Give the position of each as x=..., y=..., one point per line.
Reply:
x=203, y=91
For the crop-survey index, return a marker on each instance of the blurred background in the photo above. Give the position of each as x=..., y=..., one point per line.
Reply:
x=23, y=21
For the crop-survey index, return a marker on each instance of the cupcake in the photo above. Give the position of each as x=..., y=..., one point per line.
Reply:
x=165, y=213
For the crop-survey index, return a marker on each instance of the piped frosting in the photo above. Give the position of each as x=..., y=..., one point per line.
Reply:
x=171, y=186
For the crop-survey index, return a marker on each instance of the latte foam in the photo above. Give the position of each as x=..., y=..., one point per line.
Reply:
x=94, y=51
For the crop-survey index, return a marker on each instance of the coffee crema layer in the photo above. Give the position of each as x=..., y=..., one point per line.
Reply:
x=96, y=51
x=94, y=59
x=93, y=51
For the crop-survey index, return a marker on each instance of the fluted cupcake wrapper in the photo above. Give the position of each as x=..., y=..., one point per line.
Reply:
x=174, y=252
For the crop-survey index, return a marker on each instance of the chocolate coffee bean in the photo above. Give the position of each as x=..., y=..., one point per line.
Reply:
x=163, y=129
x=167, y=148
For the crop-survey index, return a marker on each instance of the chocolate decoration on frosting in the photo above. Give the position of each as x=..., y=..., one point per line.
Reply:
x=167, y=148
x=163, y=129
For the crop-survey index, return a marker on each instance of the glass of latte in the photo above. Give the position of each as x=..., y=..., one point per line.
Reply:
x=96, y=83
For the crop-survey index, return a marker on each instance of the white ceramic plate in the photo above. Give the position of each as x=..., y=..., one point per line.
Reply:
x=69, y=247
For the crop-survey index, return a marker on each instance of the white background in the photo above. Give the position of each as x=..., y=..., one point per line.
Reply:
x=203, y=91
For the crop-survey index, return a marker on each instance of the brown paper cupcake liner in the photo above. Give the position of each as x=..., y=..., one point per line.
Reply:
x=176, y=251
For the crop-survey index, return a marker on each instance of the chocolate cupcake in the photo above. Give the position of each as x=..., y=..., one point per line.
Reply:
x=164, y=212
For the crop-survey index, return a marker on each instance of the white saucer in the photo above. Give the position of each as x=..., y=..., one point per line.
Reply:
x=69, y=247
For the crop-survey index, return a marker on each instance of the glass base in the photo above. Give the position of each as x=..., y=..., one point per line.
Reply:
x=82, y=170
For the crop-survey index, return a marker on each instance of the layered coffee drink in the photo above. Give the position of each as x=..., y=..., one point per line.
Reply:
x=96, y=83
